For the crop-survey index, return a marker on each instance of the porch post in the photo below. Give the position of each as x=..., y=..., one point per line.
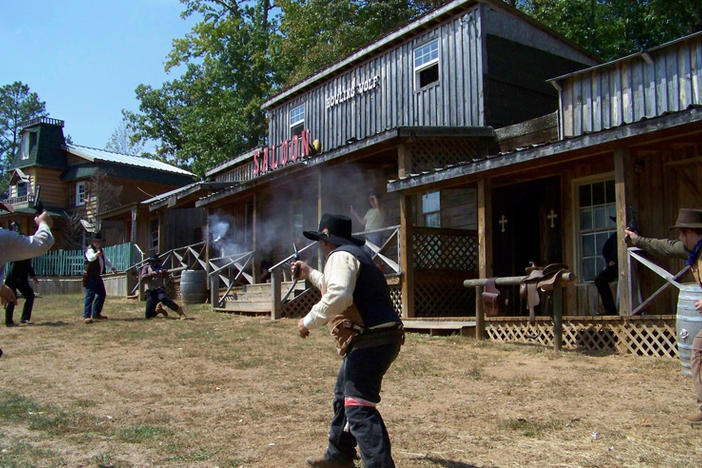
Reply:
x=256, y=262
x=406, y=255
x=320, y=211
x=213, y=281
x=484, y=251
x=621, y=179
x=162, y=231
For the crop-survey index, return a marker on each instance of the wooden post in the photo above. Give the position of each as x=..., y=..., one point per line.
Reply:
x=208, y=269
x=320, y=212
x=214, y=291
x=557, y=309
x=484, y=251
x=621, y=180
x=404, y=161
x=276, y=306
x=256, y=261
x=162, y=231
x=406, y=255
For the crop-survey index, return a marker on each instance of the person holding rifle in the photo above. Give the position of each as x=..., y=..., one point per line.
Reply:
x=689, y=247
x=96, y=263
x=356, y=306
x=153, y=274
x=14, y=246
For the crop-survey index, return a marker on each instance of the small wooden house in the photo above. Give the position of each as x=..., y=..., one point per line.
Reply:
x=77, y=183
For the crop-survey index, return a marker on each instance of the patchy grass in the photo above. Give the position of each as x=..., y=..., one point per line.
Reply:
x=224, y=390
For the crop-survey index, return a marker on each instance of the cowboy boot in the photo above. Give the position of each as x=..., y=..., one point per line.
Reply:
x=695, y=418
x=161, y=310
x=324, y=463
x=181, y=313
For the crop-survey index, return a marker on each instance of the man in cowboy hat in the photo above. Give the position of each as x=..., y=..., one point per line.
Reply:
x=608, y=274
x=689, y=247
x=96, y=263
x=356, y=305
x=18, y=274
x=14, y=246
x=153, y=273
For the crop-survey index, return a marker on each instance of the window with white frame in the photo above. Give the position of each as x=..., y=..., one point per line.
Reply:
x=153, y=245
x=80, y=194
x=597, y=207
x=297, y=120
x=22, y=189
x=431, y=209
x=426, y=64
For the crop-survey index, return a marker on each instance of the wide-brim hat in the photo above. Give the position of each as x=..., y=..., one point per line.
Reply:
x=335, y=229
x=153, y=259
x=690, y=218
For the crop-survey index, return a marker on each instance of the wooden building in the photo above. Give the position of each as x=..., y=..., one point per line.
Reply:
x=77, y=183
x=427, y=95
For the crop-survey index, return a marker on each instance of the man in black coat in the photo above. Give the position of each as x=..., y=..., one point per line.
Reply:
x=609, y=274
x=17, y=279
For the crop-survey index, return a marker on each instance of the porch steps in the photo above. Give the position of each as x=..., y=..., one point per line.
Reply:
x=254, y=299
x=441, y=325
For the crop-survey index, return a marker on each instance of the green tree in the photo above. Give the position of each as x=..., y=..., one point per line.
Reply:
x=17, y=104
x=123, y=141
x=614, y=28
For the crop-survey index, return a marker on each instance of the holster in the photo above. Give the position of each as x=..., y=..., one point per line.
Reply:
x=492, y=302
x=344, y=327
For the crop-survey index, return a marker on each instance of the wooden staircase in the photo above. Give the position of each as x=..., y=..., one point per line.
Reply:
x=254, y=299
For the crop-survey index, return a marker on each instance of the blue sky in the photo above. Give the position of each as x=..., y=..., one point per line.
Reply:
x=84, y=58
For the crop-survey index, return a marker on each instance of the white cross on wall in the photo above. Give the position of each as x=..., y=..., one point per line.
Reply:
x=502, y=222
x=551, y=217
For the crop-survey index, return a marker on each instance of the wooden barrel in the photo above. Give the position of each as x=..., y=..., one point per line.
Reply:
x=193, y=286
x=688, y=322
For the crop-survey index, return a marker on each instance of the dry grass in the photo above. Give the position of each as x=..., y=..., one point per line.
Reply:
x=232, y=391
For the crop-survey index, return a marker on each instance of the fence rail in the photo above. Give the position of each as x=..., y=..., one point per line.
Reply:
x=70, y=262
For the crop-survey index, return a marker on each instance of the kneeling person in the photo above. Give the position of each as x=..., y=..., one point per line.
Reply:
x=153, y=273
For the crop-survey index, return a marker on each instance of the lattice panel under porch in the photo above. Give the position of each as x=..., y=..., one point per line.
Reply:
x=644, y=336
x=396, y=298
x=440, y=251
x=301, y=304
x=429, y=154
x=442, y=297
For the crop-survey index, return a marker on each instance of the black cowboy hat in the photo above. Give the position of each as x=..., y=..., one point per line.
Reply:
x=98, y=236
x=688, y=218
x=153, y=259
x=335, y=229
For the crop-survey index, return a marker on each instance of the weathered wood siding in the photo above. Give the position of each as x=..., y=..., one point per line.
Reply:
x=53, y=190
x=665, y=79
x=394, y=102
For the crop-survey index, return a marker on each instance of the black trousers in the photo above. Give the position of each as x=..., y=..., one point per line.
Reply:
x=602, y=281
x=153, y=297
x=360, y=376
x=21, y=285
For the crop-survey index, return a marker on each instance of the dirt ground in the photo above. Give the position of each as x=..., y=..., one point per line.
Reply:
x=223, y=390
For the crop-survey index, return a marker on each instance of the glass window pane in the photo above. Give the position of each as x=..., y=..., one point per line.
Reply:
x=600, y=217
x=430, y=202
x=297, y=114
x=589, y=269
x=433, y=220
x=588, y=245
x=426, y=53
x=598, y=193
x=611, y=195
x=601, y=239
x=586, y=218
x=612, y=211
x=585, y=196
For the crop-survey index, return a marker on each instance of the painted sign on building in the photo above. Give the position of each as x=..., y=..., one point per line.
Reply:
x=288, y=152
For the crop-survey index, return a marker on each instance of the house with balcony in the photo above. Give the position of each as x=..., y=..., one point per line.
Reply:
x=76, y=184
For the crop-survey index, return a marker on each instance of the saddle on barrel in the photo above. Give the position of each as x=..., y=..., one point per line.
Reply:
x=537, y=281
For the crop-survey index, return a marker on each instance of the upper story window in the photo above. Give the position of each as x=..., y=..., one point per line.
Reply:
x=431, y=209
x=597, y=207
x=297, y=120
x=22, y=189
x=80, y=194
x=29, y=141
x=426, y=64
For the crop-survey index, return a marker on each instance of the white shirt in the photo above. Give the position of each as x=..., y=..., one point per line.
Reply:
x=340, y=275
x=91, y=255
x=14, y=246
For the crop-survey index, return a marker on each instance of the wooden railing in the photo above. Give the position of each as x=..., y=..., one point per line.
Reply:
x=278, y=273
x=634, y=253
x=178, y=259
x=230, y=270
x=386, y=254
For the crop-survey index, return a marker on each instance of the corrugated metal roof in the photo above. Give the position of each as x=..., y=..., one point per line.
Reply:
x=94, y=154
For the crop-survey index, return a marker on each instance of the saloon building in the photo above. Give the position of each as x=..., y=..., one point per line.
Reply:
x=432, y=94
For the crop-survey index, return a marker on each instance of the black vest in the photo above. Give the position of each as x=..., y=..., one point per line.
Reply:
x=371, y=296
x=92, y=269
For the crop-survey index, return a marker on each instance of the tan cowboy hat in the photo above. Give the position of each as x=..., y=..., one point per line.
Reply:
x=689, y=218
